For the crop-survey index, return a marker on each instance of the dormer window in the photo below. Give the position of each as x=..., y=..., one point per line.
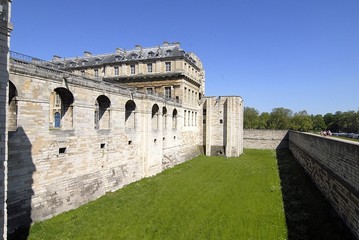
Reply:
x=83, y=63
x=169, y=52
x=133, y=56
x=97, y=61
x=72, y=64
x=117, y=58
x=151, y=54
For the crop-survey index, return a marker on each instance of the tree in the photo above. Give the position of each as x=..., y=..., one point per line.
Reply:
x=318, y=123
x=264, y=120
x=301, y=121
x=250, y=118
x=280, y=118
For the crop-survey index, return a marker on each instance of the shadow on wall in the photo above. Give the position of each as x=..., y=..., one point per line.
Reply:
x=308, y=213
x=20, y=171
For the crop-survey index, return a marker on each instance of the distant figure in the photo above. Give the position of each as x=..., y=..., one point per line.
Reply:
x=329, y=133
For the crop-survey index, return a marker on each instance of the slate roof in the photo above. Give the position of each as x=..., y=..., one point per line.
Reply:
x=167, y=50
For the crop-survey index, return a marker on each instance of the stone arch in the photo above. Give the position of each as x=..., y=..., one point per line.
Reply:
x=102, y=112
x=164, y=117
x=61, y=103
x=174, y=118
x=130, y=120
x=154, y=117
x=12, y=108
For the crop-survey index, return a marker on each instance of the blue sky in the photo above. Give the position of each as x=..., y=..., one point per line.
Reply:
x=297, y=54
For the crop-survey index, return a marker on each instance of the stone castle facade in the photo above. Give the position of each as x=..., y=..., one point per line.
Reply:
x=83, y=126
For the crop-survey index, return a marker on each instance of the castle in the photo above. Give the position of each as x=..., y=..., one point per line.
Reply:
x=83, y=126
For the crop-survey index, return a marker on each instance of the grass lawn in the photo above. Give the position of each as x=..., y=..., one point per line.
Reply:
x=205, y=198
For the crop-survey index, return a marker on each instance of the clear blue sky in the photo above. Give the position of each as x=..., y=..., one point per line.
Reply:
x=297, y=54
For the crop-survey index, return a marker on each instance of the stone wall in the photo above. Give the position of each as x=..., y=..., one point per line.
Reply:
x=265, y=139
x=334, y=166
x=52, y=170
x=55, y=167
x=223, y=126
x=5, y=29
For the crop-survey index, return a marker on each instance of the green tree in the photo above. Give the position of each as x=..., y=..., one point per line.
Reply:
x=280, y=118
x=250, y=118
x=318, y=123
x=264, y=120
x=301, y=121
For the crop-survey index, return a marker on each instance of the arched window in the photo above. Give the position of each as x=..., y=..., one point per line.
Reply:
x=62, y=103
x=154, y=118
x=174, y=119
x=102, y=112
x=130, y=108
x=12, y=108
x=164, y=118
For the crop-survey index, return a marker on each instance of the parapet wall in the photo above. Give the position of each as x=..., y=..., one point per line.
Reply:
x=334, y=167
x=265, y=139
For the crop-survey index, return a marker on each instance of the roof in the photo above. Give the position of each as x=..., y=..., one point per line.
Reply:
x=167, y=50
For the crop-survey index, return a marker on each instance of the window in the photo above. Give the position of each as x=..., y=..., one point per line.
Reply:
x=83, y=63
x=116, y=71
x=155, y=110
x=169, y=52
x=184, y=118
x=57, y=117
x=12, y=108
x=96, y=72
x=117, y=58
x=164, y=118
x=167, y=92
x=149, y=67
x=149, y=90
x=174, y=119
x=151, y=54
x=83, y=73
x=168, y=66
x=130, y=108
x=97, y=61
x=132, y=67
x=102, y=112
x=61, y=113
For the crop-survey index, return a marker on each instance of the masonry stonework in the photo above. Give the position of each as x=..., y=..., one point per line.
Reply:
x=334, y=167
x=74, y=137
x=5, y=29
x=265, y=139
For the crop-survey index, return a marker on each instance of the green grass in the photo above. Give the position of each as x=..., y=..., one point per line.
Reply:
x=205, y=198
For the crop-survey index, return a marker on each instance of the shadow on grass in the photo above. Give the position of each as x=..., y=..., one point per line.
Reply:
x=308, y=213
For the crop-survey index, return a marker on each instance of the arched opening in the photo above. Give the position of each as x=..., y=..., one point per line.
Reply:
x=154, y=117
x=164, y=118
x=61, y=102
x=174, y=119
x=130, y=108
x=12, y=108
x=102, y=112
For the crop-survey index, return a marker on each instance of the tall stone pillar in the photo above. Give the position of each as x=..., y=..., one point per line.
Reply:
x=5, y=29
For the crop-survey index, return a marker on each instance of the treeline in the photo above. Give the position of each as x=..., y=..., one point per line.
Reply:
x=283, y=118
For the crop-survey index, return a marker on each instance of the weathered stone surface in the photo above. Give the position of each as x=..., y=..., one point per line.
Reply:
x=334, y=167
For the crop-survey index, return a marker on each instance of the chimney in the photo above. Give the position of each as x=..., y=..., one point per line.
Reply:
x=119, y=50
x=138, y=47
x=165, y=43
x=177, y=44
x=87, y=54
x=56, y=58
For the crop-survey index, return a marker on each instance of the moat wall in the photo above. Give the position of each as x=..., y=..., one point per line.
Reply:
x=334, y=167
x=265, y=139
